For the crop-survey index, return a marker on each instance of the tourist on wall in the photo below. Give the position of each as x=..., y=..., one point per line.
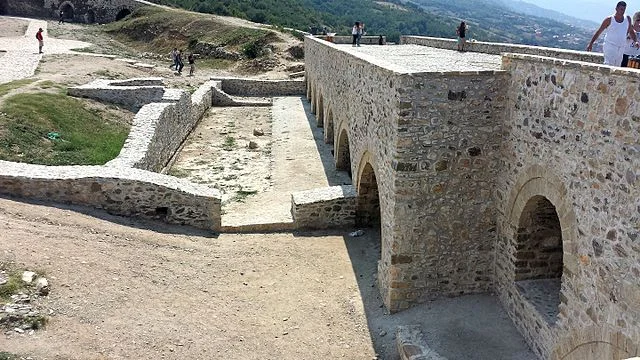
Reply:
x=192, y=63
x=355, y=33
x=40, y=40
x=461, y=31
x=631, y=49
x=618, y=27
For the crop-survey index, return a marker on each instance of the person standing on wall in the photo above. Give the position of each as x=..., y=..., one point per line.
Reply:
x=618, y=26
x=355, y=31
x=631, y=49
x=462, y=35
x=40, y=40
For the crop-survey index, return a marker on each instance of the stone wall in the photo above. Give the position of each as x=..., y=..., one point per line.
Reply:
x=120, y=191
x=87, y=11
x=132, y=94
x=324, y=207
x=431, y=139
x=348, y=39
x=121, y=186
x=499, y=48
x=571, y=137
x=259, y=87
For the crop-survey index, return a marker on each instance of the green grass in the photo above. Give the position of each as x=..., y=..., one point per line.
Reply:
x=216, y=64
x=7, y=87
x=13, y=286
x=179, y=173
x=87, y=137
x=229, y=143
x=8, y=356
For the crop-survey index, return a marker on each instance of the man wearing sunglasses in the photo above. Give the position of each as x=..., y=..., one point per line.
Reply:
x=618, y=27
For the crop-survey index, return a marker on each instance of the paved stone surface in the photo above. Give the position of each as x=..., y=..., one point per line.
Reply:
x=21, y=57
x=416, y=58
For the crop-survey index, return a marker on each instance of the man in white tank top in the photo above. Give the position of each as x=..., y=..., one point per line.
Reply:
x=618, y=26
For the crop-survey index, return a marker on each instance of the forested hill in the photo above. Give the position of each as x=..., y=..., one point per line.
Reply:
x=489, y=20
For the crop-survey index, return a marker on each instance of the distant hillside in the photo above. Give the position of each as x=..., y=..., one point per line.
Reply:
x=531, y=9
x=489, y=20
x=592, y=10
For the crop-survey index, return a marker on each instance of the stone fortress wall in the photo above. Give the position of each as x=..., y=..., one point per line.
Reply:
x=524, y=182
x=85, y=11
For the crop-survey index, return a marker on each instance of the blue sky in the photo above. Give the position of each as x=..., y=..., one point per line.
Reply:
x=594, y=10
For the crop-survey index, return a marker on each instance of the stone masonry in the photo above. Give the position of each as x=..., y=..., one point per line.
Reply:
x=86, y=11
x=515, y=174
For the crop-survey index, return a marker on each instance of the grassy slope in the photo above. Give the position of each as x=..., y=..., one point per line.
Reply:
x=158, y=30
x=86, y=137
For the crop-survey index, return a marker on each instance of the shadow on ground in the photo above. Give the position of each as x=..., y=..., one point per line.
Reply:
x=466, y=327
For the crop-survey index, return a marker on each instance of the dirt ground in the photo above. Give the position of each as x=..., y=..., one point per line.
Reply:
x=130, y=289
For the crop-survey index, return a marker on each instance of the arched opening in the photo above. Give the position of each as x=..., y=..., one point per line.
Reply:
x=328, y=128
x=67, y=12
x=123, y=14
x=538, y=257
x=308, y=90
x=313, y=100
x=368, y=201
x=90, y=17
x=320, y=115
x=343, y=156
x=3, y=7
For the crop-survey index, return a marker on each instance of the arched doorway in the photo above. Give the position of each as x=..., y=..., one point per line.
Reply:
x=328, y=127
x=343, y=156
x=90, y=17
x=3, y=7
x=122, y=14
x=67, y=12
x=320, y=112
x=368, y=200
x=538, y=256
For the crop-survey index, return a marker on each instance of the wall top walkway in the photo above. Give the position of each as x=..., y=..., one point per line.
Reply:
x=407, y=59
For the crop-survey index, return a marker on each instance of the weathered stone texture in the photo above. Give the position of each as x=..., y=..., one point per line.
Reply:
x=259, y=87
x=324, y=207
x=120, y=191
x=90, y=11
x=432, y=140
x=571, y=136
x=132, y=94
x=499, y=48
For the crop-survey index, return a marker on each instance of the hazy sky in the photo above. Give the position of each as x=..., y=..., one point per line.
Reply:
x=594, y=10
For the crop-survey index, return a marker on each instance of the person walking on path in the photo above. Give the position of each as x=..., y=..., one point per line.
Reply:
x=179, y=63
x=61, y=21
x=192, y=63
x=40, y=40
x=618, y=27
x=462, y=35
x=174, y=58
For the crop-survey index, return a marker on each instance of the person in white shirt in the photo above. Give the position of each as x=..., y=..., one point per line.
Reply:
x=632, y=49
x=355, y=32
x=618, y=26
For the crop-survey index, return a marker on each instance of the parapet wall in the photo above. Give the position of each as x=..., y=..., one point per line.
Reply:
x=133, y=93
x=571, y=136
x=259, y=87
x=120, y=191
x=500, y=48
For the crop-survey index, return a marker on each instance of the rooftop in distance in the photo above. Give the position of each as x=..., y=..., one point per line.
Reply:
x=417, y=58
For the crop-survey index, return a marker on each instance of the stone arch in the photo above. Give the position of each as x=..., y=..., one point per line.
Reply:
x=314, y=93
x=595, y=343
x=545, y=236
x=328, y=126
x=343, y=154
x=368, y=200
x=320, y=111
x=90, y=17
x=122, y=14
x=308, y=89
x=68, y=11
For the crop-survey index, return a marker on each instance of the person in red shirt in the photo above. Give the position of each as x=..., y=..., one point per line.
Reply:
x=40, y=40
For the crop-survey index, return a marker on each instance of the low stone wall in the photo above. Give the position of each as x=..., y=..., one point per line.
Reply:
x=498, y=48
x=258, y=87
x=324, y=207
x=347, y=39
x=128, y=192
x=131, y=96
